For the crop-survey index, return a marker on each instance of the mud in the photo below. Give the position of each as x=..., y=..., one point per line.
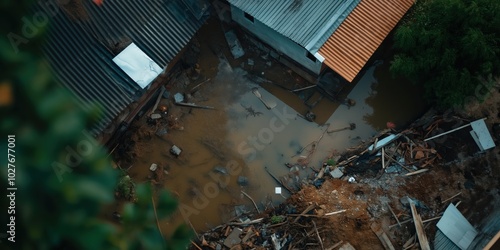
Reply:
x=231, y=134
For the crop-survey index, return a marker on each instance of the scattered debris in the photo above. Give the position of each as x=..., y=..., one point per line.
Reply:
x=248, y=196
x=175, y=150
x=155, y=116
x=250, y=62
x=161, y=131
x=221, y=170
x=178, y=97
x=233, y=238
x=153, y=167
x=336, y=173
x=195, y=88
x=310, y=116
x=384, y=239
x=242, y=180
x=352, y=126
x=192, y=105
x=256, y=92
x=234, y=44
x=250, y=111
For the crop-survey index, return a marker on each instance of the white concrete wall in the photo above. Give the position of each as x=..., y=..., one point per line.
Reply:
x=276, y=40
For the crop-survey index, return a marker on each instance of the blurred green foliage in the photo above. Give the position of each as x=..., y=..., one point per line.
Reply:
x=452, y=47
x=62, y=207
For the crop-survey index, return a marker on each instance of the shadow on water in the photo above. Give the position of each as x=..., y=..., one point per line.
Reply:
x=393, y=99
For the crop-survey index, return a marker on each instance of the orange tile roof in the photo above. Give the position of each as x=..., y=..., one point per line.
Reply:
x=348, y=49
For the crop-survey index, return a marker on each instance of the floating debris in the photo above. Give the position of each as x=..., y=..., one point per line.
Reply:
x=175, y=150
x=251, y=111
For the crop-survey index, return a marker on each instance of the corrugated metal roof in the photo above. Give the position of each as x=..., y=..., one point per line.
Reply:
x=306, y=22
x=358, y=37
x=441, y=242
x=80, y=52
x=456, y=227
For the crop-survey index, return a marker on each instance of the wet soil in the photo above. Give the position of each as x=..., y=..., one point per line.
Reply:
x=241, y=132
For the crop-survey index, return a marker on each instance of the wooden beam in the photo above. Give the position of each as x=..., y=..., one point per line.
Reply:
x=382, y=236
x=419, y=227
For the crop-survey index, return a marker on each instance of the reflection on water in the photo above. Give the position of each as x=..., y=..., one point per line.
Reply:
x=268, y=140
x=395, y=100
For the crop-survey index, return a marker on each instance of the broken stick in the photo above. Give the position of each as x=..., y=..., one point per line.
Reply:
x=417, y=172
x=199, y=84
x=248, y=196
x=459, y=193
x=309, y=208
x=277, y=180
x=393, y=214
x=336, y=212
x=317, y=234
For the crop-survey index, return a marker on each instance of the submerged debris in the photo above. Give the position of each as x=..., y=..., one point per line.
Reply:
x=250, y=111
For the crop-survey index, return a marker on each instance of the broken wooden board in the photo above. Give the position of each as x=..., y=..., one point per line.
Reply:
x=419, y=227
x=382, y=236
x=347, y=246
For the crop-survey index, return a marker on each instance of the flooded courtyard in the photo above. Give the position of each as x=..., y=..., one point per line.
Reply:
x=240, y=148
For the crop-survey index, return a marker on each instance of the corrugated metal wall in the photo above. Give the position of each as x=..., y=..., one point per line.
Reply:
x=306, y=22
x=80, y=51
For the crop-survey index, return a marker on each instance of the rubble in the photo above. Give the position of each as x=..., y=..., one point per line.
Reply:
x=394, y=178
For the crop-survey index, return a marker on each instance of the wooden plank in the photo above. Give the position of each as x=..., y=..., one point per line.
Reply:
x=382, y=236
x=419, y=227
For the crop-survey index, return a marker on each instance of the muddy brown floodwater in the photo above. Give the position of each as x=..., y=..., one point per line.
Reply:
x=241, y=137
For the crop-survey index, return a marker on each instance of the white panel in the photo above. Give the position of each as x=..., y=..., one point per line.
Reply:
x=483, y=134
x=137, y=65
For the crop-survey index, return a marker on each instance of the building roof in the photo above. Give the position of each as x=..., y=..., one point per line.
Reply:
x=349, y=48
x=306, y=22
x=441, y=242
x=82, y=42
x=456, y=228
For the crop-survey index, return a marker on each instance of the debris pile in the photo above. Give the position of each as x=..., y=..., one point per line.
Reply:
x=285, y=228
x=370, y=195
